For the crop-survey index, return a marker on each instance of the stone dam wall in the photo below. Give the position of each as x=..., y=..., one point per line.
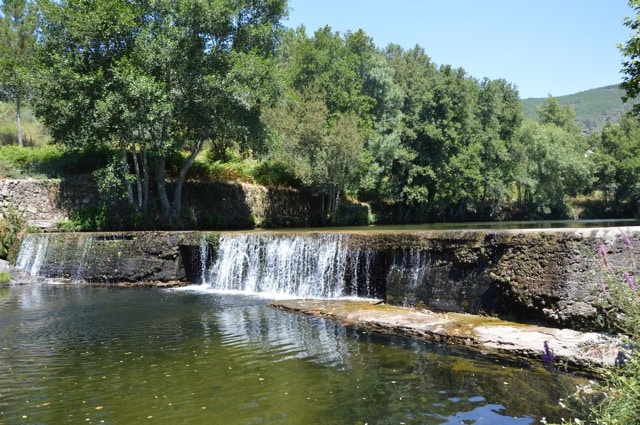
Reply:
x=539, y=276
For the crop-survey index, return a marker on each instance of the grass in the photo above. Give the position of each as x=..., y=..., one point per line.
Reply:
x=49, y=161
x=34, y=133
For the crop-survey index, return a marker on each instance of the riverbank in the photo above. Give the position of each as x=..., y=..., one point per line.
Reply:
x=572, y=350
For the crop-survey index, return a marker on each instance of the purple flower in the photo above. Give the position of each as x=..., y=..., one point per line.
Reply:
x=630, y=281
x=603, y=288
x=603, y=250
x=627, y=241
x=547, y=356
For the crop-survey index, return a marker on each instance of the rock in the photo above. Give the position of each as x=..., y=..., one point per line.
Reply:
x=580, y=351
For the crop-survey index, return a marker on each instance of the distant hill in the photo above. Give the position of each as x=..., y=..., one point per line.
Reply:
x=593, y=107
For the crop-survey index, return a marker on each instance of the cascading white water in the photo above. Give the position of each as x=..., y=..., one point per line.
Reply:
x=33, y=252
x=55, y=256
x=410, y=269
x=309, y=266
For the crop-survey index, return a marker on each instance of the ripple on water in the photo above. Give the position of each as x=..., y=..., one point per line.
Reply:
x=124, y=356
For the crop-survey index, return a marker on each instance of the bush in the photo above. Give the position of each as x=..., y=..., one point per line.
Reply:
x=88, y=219
x=4, y=278
x=51, y=161
x=276, y=173
x=12, y=225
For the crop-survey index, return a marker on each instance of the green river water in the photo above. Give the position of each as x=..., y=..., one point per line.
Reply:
x=98, y=354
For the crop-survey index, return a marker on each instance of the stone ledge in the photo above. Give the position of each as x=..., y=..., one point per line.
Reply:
x=577, y=351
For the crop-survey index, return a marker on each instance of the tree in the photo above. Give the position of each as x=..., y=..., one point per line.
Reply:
x=326, y=153
x=155, y=78
x=338, y=89
x=444, y=175
x=631, y=65
x=617, y=164
x=500, y=114
x=17, y=37
x=563, y=116
x=415, y=76
x=552, y=163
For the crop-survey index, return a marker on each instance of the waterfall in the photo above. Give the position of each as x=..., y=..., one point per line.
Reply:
x=315, y=265
x=33, y=252
x=410, y=270
x=55, y=256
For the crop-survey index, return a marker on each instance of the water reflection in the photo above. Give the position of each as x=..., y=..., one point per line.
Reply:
x=92, y=354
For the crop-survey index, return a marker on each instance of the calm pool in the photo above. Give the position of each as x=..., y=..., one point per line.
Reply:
x=82, y=354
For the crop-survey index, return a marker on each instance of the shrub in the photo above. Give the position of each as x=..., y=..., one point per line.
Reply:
x=619, y=388
x=12, y=225
x=276, y=173
x=4, y=278
x=51, y=161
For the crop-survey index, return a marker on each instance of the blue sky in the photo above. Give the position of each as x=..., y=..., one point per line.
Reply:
x=544, y=47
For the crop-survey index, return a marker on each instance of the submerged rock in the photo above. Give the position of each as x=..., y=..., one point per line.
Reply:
x=574, y=350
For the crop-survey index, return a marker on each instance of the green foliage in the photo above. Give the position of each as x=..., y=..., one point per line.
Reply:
x=50, y=161
x=35, y=134
x=330, y=113
x=231, y=171
x=12, y=224
x=552, y=112
x=276, y=173
x=325, y=152
x=17, y=37
x=621, y=387
x=631, y=63
x=91, y=218
x=550, y=165
x=113, y=180
x=155, y=78
x=617, y=159
x=4, y=278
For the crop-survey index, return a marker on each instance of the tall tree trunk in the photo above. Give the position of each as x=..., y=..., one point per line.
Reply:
x=136, y=169
x=125, y=163
x=162, y=188
x=145, y=178
x=171, y=210
x=176, y=206
x=19, y=122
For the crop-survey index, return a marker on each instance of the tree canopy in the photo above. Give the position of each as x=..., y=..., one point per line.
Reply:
x=17, y=38
x=327, y=112
x=154, y=78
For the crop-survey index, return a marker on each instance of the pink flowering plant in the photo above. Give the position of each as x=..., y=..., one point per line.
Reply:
x=619, y=296
x=620, y=302
x=615, y=398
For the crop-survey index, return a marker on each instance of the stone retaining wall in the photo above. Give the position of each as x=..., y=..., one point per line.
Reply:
x=213, y=205
x=44, y=203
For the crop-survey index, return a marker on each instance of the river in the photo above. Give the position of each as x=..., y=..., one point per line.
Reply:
x=101, y=354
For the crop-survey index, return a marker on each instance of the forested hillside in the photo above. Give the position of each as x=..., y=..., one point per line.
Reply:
x=593, y=107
